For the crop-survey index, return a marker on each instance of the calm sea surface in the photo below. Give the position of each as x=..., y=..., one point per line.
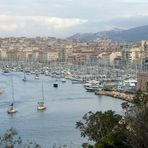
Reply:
x=65, y=105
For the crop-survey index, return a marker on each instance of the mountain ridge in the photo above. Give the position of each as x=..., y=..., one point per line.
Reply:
x=132, y=34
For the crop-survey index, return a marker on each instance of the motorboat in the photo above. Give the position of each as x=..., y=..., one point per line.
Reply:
x=91, y=88
x=63, y=80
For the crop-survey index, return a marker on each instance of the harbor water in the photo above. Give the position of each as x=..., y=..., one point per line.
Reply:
x=66, y=105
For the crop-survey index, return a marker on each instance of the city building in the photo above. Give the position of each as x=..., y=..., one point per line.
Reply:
x=143, y=81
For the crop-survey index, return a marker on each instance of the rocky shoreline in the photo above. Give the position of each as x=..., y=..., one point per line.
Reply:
x=115, y=94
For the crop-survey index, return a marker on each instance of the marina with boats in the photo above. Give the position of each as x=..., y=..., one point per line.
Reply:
x=55, y=96
x=107, y=80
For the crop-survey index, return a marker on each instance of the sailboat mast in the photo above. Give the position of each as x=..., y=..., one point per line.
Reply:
x=24, y=75
x=12, y=89
x=42, y=92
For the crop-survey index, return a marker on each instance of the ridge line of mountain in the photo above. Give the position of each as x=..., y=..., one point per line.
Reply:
x=132, y=34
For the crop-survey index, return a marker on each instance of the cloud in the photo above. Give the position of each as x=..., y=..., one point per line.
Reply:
x=36, y=25
x=9, y=23
x=59, y=23
x=8, y=27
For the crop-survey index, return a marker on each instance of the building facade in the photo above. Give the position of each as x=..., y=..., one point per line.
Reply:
x=143, y=81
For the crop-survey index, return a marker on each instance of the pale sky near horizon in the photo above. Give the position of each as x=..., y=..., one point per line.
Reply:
x=63, y=18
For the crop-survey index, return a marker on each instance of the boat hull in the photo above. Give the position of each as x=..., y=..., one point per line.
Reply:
x=12, y=111
x=41, y=108
x=91, y=89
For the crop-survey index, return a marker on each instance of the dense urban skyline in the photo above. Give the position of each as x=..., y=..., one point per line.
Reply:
x=62, y=18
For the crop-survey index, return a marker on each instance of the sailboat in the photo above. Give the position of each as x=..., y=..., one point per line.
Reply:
x=36, y=76
x=24, y=79
x=12, y=108
x=41, y=104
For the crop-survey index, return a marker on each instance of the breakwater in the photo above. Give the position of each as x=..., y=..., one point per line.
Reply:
x=115, y=94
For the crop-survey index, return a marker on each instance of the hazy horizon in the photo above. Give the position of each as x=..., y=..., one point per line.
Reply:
x=63, y=18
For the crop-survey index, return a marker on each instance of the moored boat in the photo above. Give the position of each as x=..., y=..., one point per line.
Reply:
x=37, y=76
x=63, y=80
x=91, y=88
x=24, y=79
x=12, y=109
x=41, y=104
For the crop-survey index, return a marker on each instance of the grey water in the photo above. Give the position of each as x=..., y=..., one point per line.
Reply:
x=65, y=106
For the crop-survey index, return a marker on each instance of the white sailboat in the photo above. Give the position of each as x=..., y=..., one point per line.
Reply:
x=12, y=109
x=41, y=104
x=36, y=76
x=24, y=79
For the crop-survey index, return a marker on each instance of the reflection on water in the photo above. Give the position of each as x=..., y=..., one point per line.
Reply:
x=65, y=105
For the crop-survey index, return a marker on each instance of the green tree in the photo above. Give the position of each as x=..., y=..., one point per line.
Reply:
x=136, y=119
x=11, y=140
x=112, y=140
x=98, y=125
x=110, y=130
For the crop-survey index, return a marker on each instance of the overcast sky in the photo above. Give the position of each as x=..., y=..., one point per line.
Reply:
x=62, y=18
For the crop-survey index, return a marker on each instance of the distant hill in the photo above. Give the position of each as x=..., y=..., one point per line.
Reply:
x=133, y=34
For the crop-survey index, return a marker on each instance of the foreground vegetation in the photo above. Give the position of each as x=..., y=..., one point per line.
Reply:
x=110, y=130
x=11, y=139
